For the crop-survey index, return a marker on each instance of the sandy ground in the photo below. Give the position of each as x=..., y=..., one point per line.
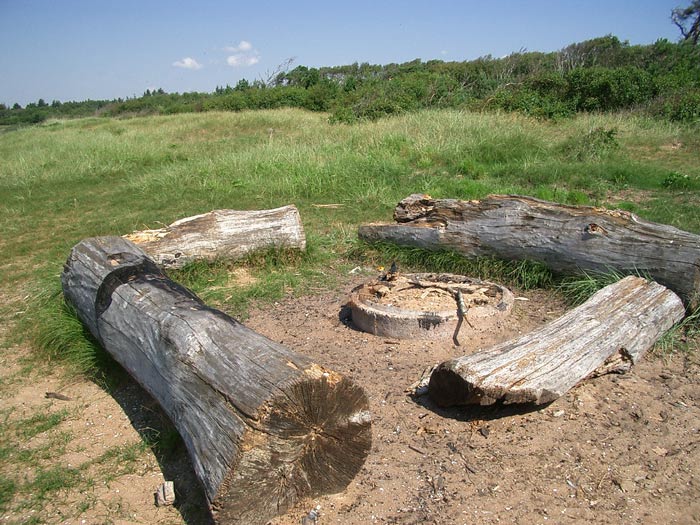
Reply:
x=615, y=449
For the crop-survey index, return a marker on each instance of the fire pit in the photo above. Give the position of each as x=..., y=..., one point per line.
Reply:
x=428, y=306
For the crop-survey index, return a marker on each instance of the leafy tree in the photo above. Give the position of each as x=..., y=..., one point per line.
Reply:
x=688, y=21
x=242, y=85
x=302, y=76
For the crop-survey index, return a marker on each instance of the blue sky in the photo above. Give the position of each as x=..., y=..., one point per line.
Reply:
x=99, y=49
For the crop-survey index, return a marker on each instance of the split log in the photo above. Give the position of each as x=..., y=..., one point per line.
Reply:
x=568, y=239
x=608, y=333
x=229, y=234
x=264, y=426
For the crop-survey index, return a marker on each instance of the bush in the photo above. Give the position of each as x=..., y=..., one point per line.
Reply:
x=594, y=145
x=680, y=106
x=530, y=102
x=601, y=89
x=676, y=181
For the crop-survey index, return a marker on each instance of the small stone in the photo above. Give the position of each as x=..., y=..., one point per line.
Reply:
x=165, y=494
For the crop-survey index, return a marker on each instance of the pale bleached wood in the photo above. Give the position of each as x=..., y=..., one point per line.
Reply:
x=568, y=239
x=264, y=426
x=228, y=234
x=609, y=332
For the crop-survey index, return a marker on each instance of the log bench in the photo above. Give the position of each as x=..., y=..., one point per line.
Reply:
x=568, y=239
x=263, y=425
x=230, y=234
x=608, y=333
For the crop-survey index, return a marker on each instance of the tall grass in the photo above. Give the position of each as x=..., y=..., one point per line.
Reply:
x=67, y=180
x=578, y=289
x=522, y=274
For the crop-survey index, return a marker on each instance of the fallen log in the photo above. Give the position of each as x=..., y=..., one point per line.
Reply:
x=608, y=333
x=229, y=234
x=263, y=425
x=568, y=239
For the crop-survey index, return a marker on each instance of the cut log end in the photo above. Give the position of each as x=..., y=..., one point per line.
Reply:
x=448, y=388
x=313, y=439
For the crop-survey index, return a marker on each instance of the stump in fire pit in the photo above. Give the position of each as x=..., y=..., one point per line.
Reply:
x=428, y=306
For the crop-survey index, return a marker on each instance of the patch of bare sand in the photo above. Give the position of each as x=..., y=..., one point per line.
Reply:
x=614, y=449
x=117, y=475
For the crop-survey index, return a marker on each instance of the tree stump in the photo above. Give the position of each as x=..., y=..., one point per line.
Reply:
x=264, y=426
x=568, y=239
x=229, y=234
x=608, y=333
x=427, y=305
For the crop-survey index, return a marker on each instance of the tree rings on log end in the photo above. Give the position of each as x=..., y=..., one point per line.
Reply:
x=428, y=306
x=311, y=439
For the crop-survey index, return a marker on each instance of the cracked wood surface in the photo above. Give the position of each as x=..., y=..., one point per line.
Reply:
x=608, y=333
x=568, y=239
x=229, y=234
x=264, y=426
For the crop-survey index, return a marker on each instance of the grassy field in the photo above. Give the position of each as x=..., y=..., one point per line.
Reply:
x=63, y=181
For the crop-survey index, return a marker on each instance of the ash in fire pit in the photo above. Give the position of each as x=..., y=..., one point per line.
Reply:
x=427, y=305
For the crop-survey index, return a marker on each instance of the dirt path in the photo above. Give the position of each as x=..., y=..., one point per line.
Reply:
x=615, y=449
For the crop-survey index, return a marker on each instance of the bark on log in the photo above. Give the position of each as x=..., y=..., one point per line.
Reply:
x=609, y=332
x=264, y=426
x=568, y=239
x=227, y=234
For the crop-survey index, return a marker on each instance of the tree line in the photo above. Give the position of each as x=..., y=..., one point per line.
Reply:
x=598, y=75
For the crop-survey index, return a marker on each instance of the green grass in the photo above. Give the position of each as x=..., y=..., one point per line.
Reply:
x=522, y=274
x=47, y=481
x=39, y=423
x=579, y=288
x=683, y=337
x=74, y=179
x=8, y=488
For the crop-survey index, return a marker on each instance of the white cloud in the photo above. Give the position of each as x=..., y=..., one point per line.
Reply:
x=188, y=63
x=241, y=60
x=243, y=46
x=243, y=55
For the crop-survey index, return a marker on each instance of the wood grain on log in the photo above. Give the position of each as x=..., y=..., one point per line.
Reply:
x=227, y=234
x=609, y=332
x=264, y=426
x=568, y=239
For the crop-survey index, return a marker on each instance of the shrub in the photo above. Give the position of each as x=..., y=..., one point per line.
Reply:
x=679, y=106
x=676, y=181
x=531, y=102
x=594, y=145
x=601, y=89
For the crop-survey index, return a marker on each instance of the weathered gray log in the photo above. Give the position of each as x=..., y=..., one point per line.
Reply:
x=264, y=426
x=608, y=333
x=568, y=239
x=229, y=234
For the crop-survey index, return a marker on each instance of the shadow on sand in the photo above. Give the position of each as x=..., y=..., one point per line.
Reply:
x=156, y=429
